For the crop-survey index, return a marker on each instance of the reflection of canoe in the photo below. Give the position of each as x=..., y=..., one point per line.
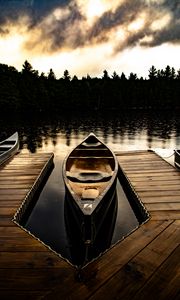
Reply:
x=9, y=147
x=81, y=252
x=177, y=158
x=90, y=173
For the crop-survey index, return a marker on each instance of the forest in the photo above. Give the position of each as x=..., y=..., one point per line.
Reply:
x=28, y=92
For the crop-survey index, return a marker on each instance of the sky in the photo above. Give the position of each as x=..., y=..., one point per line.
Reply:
x=87, y=37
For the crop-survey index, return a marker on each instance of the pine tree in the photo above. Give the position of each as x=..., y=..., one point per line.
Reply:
x=152, y=73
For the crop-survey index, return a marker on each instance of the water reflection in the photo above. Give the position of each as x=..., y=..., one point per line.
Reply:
x=124, y=131
x=81, y=252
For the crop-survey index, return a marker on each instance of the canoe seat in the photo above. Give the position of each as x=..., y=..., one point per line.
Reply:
x=90, y=193
x=88, y=177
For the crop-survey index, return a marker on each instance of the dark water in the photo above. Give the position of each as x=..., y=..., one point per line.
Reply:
x=121, y=131
x=125, y=131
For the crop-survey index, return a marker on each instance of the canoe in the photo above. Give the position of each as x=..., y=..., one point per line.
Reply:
x=81, y=253
x=177, y=158
x=9, y=147
x=90, y=173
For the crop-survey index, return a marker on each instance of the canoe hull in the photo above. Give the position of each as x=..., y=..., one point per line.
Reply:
x=89, y=225
x=90, y=191
x=9, y=147
x=82, y=252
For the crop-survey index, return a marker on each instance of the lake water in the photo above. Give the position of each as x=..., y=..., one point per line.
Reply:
x=121, y=132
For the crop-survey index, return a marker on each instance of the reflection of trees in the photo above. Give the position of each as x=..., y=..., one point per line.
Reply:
x=53, y=132
x=68, y=136
x=116, y=128
x=159, y=126
x=31, y=145
x=33, y=138
x=149, y=141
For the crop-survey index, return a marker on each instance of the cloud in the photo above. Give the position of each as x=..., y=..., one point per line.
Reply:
x=60, y=29
x=169, y=11
x=56, y=25
x=166, y=14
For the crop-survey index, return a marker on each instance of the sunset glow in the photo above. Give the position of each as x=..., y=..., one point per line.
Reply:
x=89, y=36
x=96, y=8
x=161, y=22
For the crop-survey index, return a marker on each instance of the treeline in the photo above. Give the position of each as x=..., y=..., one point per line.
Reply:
x=28, y=91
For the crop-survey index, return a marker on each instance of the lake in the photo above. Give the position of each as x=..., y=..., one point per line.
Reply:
x=121, y=132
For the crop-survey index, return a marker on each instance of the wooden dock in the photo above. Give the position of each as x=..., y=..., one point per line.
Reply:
x=145, y=265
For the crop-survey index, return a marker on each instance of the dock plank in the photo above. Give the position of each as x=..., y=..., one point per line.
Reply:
x=165, y=215
x=164, y=284
x=15, y=231
x=20, y=244
x=99, y=272
x=29, y=259
x=137, y=271
x=6, y=221
x=144, y=265
x=157, y=185
x=163, y=206
x=39, y=279
x=162, y=198
x=161, y=187
x=21, y=295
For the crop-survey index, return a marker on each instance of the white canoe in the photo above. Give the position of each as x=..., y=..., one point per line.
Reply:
x=90, y=173
x=9, y=147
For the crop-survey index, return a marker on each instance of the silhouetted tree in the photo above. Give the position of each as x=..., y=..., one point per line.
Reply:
x=173, y=73
x=178, y=74
x=152, y=73
x=27, y=92
x=88, y=77
x=27, y=68
x=167, y=72
x=160, y=74
x=51, y=75
x=123, y=76
x=132, y=76
x=115, y=75
x=43, y=75
x=66, y=76
x=105, y=75
x=75, y=77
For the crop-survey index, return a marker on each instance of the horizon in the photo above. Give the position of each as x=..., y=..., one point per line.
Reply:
x=98, y=77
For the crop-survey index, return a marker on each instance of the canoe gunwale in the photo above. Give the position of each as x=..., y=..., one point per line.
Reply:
x=177, y=158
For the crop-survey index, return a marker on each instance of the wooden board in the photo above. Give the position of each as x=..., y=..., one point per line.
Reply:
x=145, y=265
x=157, y=184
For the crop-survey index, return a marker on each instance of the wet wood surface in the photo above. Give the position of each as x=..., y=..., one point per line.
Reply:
x=145, y=265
